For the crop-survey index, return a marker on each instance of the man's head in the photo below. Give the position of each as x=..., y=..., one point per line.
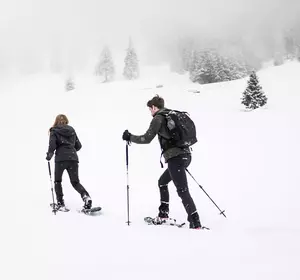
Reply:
x=155, y=104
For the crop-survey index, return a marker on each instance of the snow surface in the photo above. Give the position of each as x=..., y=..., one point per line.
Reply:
x=248, y=162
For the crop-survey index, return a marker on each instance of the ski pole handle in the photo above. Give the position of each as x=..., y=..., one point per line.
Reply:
x=127, y=154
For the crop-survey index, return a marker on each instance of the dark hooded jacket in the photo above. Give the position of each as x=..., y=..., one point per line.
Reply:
x=158, y=126
x=64, y=141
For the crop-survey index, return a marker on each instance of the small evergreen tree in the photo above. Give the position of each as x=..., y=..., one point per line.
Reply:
x=131, y=69
x=106, y=66
x=253, y=96
x=70, y=85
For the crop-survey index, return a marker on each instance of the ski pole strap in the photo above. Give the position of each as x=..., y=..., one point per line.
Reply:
x=49, y=167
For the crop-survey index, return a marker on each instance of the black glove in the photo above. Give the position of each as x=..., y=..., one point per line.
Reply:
x=126, y=136
x=49, y=156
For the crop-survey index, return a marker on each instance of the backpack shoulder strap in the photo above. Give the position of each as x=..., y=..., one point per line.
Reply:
x=182, y=112
x=176, y=111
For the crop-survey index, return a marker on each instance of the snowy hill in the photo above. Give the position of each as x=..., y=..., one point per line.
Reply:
x=246, y=161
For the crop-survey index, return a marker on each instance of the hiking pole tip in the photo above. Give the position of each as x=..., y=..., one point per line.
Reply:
x=222, y=213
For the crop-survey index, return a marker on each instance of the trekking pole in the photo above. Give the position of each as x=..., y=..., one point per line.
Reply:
x=221, y=212
x=127, y=163
x=53, y=205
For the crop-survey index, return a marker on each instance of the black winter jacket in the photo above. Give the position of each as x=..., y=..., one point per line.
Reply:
x=158, y=126
x=64, y=141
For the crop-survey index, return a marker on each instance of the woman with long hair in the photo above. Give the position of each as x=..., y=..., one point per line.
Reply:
x=64, y=142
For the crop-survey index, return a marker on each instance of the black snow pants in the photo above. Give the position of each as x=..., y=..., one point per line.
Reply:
x=176, y=172
x=72, y=168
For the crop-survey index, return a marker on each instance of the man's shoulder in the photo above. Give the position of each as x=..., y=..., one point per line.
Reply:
x=158, y=117
x=162, y=113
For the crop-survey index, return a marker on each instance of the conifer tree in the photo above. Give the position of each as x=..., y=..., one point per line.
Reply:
x=253, y=96
x=195, y=68
x=131, y=69
x=210, y=66
x=106, y=66
x=70, y=85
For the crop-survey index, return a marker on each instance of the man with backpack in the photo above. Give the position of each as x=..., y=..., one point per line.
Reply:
x=176, y=132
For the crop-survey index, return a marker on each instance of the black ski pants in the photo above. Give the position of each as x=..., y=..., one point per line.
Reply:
x=176, y=172
x=72, y=168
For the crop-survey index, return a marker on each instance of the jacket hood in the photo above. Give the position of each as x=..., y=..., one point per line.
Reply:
x=64, y=130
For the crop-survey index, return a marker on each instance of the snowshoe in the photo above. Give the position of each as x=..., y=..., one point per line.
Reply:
x=91, y=211
x=162, y=221
x=58, y=207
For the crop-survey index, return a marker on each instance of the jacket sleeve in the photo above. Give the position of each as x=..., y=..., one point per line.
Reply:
x=152, y=131
x=77, y=144
x=52, y=143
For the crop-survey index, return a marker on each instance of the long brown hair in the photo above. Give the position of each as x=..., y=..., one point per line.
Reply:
x=60, y=120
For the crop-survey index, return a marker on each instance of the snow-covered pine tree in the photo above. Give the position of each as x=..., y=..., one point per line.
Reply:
x=131, y=68
x=207, y=67
x=220, y=68
x=242, y=69
x=70, y=85
x=254, y=97
x=235, y=65
x=106, y=66
x=229, y=69
x=195, y=68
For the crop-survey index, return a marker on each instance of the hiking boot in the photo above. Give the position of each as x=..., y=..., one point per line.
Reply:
x=163, y=210
x=195, y=221
x=159, y=220
x=87, y=202
x=60, y=206
x=60, y=203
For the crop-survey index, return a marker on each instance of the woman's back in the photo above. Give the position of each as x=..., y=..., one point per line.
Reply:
x=64, y=140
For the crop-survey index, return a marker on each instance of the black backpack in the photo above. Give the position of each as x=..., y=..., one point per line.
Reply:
x=181, y=128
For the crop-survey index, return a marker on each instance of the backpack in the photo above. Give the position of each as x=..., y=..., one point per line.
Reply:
x=181, y=128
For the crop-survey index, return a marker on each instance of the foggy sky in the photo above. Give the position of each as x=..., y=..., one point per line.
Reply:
x=75, y=29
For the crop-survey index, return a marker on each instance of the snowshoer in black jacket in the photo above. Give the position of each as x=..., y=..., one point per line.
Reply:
x=178, y=159
x=64, y=141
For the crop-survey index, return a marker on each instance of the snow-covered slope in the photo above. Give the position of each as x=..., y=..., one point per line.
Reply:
x=246, y=161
